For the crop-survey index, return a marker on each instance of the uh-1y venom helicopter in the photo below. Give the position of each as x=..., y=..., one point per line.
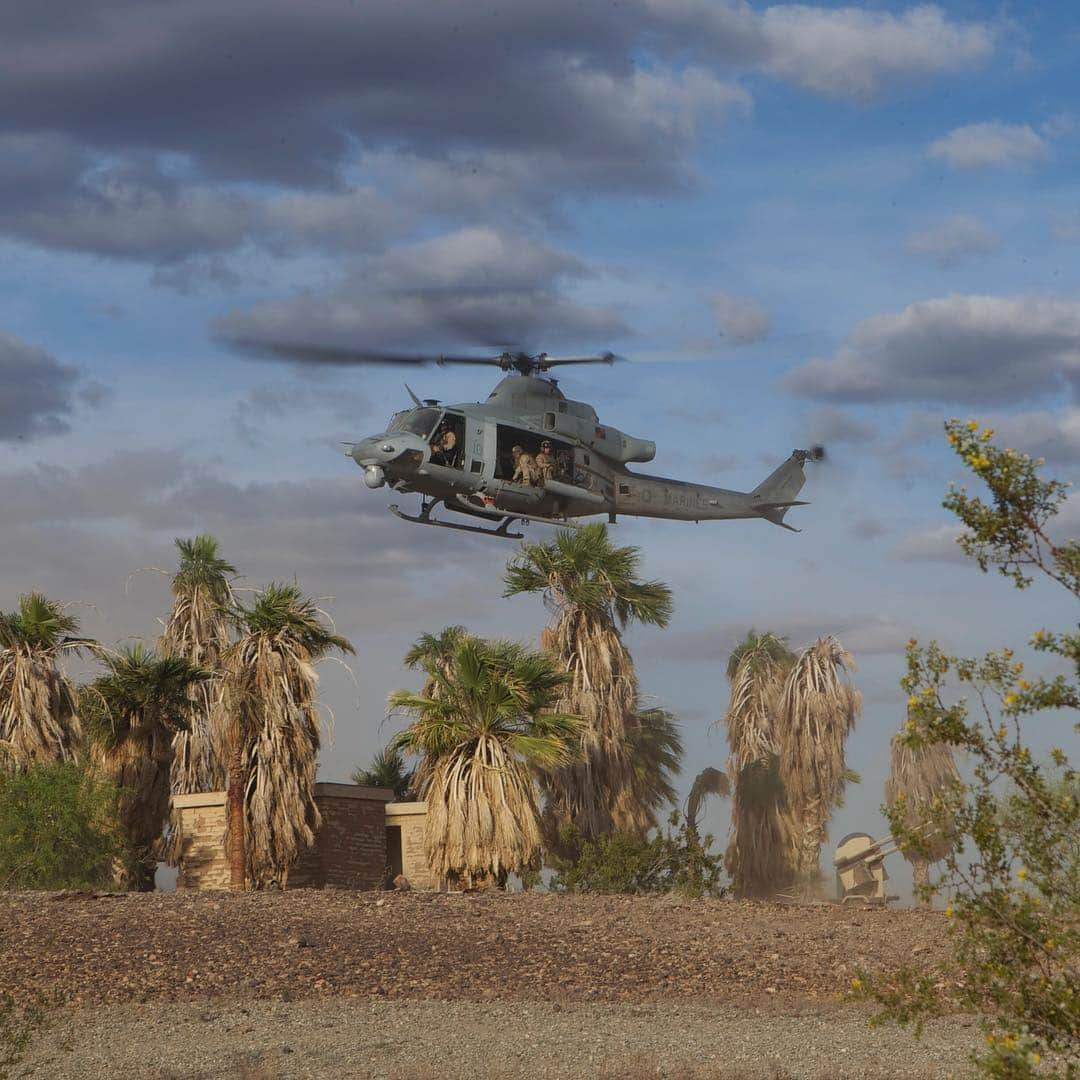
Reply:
x=476, y=469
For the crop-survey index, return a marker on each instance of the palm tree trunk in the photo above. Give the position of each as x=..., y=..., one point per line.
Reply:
x=920, y=875
x=235, y=806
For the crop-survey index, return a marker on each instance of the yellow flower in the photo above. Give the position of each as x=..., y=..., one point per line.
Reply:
x=950, y=911
x=1010, y=700
x=1024, y=684
x=912, y=701
x=1002, y=732
x=1034, y=1057
x=973, y=425
x=856, y=984
x=1022, y=873
x=1050, y=943
x=987, y=433
x=953, y=438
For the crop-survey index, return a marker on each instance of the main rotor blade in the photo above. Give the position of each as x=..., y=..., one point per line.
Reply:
x=334, y=354
x=558, y=361
x=327, y=354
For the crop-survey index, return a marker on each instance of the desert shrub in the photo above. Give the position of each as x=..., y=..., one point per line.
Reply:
x=677, y=860
x=1013, y=882
x=58, y=828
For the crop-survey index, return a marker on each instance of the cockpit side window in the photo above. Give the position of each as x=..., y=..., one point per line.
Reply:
x=448, y=442
x=416, y=421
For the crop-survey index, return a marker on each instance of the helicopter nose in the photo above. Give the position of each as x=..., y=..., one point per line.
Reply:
x=399, y=448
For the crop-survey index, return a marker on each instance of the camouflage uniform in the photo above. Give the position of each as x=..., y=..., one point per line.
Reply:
x=524, y=469
x=544, y=466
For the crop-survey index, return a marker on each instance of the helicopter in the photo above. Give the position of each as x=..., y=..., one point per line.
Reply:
x=467, y=457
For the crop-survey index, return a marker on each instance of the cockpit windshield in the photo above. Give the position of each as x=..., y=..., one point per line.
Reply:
x=416, y=421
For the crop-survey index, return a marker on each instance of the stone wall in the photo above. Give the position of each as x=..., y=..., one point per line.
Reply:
x=349, y=850
x=410, y=818
x=202, y=819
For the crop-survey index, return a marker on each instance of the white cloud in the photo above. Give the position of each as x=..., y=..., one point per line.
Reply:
x=953, y=240
x=991, y=144
x=963, y=349
x=851, y=53
x=470, y=287
x=742, y=321
x=1054, y=435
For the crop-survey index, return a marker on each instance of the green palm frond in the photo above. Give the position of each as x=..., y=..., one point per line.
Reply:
x=138, y=687
x=582, y=569
x=656, y=750
x=40, y=624
x=281, y=610
x=201, y=566
x=760, y=651
x=434, y=648
x=387, y=770
x=489, y=724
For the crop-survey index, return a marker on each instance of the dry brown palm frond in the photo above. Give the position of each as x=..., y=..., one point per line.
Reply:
x=597, y=793
x=39, y=719
x=759, y=855
x=709, y=781
x=197, y=629
x=592, y=588
x=482, y=819
x=485, y=734
x=921, y=781
x=757, y=671
x=277, y=686
x=272, y=718
x=818, y=709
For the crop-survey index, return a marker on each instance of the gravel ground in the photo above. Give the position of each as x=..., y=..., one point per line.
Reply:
x=86, y=949
x=427, y=1039
x=347, y=984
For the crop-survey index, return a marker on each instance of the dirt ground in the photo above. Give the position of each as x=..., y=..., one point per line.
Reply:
x=316, y=984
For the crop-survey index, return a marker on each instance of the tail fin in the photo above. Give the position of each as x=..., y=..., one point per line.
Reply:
x=775, y=495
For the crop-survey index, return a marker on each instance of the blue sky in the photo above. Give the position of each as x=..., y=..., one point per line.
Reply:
x=799, y=223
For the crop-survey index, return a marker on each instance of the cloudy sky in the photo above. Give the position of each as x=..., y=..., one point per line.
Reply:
x=799, y=222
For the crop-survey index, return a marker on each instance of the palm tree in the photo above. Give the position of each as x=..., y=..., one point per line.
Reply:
x=483, y=732
x=273, y=732
x=132, y=714
x=387, y=770
x=818, y=708
x=594, y=592
x=760, y=856
x=198, y=630
x=656, y=750
x=921, y=779
x=39, y=717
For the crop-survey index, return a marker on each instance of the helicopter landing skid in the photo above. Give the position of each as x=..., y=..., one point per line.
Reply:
x=425, y=518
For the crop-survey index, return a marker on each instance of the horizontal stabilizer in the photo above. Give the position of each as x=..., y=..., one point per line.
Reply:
x=761, y=507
